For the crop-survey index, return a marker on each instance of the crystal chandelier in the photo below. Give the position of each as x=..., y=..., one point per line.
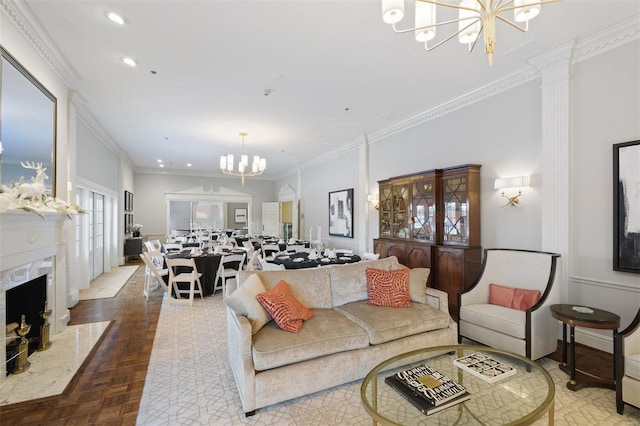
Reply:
x=474, y=17
x=257, y=167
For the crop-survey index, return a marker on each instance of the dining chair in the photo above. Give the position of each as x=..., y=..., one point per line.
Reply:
x=269, y=251
x=295, y=248
x=153, y=273
x=192, y=276
x=268, y=266
x=172, y=247
x=252, y=263
x=230, y=265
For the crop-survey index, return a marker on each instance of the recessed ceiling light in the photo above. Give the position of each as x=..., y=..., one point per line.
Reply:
x=159, y=161
x=129, y=61
x=114, y=17
x=189, y=164
x=161, y=165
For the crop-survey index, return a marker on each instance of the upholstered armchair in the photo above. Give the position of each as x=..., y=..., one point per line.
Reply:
x=508, y=306
x=627, y=361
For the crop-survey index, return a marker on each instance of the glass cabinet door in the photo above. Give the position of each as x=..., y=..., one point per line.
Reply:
x=399, y=226
x=385, y=210
x=422, y=220
x=456, y=204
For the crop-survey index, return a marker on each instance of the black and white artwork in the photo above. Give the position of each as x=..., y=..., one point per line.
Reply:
x=626, y=207
x=341, y=213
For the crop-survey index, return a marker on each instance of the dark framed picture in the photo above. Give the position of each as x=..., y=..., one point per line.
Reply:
x=341, y=213
x=128, y=201
x=128, y=222
x=626, y=207
x=240, y=215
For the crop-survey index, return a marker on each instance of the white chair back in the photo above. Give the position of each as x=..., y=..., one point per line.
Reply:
x=192, y=277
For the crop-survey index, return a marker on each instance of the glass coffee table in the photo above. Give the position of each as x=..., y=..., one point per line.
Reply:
x=519, y=399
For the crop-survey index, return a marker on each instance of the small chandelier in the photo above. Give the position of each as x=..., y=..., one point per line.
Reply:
x=257, y=167
x=474, y=17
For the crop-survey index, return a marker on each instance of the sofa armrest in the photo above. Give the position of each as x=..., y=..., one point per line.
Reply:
x=438, y=299
x=239, y=347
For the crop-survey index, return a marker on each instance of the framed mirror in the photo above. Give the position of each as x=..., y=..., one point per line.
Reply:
x=27, y=124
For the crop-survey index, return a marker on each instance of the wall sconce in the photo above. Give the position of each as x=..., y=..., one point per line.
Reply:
x=512, y=182
x=373, y=199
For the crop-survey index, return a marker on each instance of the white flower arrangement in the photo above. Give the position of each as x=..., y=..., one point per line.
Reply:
x=136, y=227
x=32, y=197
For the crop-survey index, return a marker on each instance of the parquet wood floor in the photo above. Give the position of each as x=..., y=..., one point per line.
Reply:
x=108, y=388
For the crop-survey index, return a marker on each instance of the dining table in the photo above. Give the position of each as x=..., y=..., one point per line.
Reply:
x=303, y=260
x=207, y=264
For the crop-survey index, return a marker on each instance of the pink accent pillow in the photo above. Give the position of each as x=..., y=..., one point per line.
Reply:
x=285, y=309
x=388, y=288
x=514, y=298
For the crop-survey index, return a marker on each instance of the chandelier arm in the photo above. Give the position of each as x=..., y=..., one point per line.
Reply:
x=504, y=7
x=516, y=26
x=473, y=45
x=437, y=24
x=453, y=6
x=452, y=36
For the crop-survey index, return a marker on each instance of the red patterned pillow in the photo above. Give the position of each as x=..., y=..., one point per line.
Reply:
x=285, y=309
x=388, y=288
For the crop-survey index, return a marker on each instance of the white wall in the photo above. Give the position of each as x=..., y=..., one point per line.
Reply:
x=150, y=189
x=605, y=110
x=502, y=134
x=317, y=181
x=96, y=162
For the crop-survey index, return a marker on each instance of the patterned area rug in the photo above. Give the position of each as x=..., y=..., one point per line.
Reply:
x=189, y=381
x=108, y=284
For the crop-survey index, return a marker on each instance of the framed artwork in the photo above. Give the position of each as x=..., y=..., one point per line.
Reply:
x=128, y=201
x=626, y=207
x=128, y=222
x=341, y=213
x=240, y=215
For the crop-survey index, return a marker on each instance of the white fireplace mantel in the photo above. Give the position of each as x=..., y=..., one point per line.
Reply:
x=27, y=240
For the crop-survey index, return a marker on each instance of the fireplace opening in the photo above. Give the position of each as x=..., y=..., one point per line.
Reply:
x=27, y=299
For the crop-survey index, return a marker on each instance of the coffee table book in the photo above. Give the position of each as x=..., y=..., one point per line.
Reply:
x=483, y=366
x=418, y=401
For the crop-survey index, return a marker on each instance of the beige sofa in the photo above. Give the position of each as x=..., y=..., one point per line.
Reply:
x=343, y=341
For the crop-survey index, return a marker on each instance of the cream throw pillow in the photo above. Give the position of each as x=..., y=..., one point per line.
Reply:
x=418, y=284
x=243, y=302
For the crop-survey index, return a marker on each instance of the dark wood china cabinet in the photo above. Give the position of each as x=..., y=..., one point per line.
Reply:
x=432, y=220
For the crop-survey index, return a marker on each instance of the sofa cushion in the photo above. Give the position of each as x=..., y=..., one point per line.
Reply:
x=384, y=324
x=349, y=282
x=494, y=317
x=285, y=309
x=326, y=333
x=243, y=302
x=312, y=287
x=388, y=288
x=632, y=366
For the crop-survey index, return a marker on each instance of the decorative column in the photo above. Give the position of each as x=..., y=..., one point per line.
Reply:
x=555, y=70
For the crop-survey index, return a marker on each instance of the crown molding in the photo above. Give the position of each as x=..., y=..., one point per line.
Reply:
x=351, y=146
x=19, y=14
x=608, y=39
x=572, y=51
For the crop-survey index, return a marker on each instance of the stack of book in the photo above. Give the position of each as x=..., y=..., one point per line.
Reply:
x=428, y=390
x=483, y=366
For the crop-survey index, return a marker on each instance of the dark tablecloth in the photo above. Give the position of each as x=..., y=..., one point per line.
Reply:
x=207, y=265
x=293, y=261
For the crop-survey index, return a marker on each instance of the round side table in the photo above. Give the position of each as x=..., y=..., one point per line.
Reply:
x=587, y=317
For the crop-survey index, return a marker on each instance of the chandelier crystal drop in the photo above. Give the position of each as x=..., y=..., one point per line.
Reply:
x=474, y=17
x=257, y=166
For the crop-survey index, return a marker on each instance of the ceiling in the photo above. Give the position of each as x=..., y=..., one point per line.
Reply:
x=333, y=69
